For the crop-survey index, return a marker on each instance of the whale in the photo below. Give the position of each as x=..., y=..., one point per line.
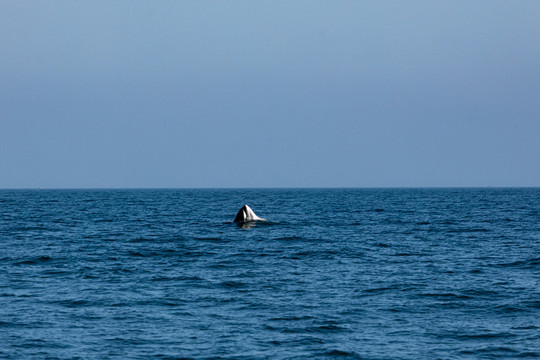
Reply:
x=245, y=214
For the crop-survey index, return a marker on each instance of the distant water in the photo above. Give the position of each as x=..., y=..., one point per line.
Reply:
x=334, y=274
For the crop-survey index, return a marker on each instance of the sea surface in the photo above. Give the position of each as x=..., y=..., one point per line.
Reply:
x=332, y=274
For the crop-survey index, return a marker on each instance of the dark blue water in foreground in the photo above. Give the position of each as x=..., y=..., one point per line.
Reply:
x=334, y=274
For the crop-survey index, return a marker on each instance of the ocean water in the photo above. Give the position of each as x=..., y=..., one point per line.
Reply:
x=333, y=274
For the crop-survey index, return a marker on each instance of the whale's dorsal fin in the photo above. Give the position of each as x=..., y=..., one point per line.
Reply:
x=245, y=214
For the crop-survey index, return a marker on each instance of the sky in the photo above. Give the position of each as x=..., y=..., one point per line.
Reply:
x=182, y=94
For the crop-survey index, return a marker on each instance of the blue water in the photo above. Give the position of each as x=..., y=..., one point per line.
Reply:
x=333, y=274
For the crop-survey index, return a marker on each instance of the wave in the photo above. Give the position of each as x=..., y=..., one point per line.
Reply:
x=34, y=261
x=526, y=264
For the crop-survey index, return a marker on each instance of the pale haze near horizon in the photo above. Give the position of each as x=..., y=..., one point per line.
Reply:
x=269, y=94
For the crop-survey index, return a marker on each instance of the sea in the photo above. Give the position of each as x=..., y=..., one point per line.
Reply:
x=332, y=274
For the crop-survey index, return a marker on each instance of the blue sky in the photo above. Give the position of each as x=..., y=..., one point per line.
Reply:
x=269, y=93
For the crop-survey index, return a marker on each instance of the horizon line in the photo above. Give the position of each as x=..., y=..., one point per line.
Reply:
x=275, y=187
